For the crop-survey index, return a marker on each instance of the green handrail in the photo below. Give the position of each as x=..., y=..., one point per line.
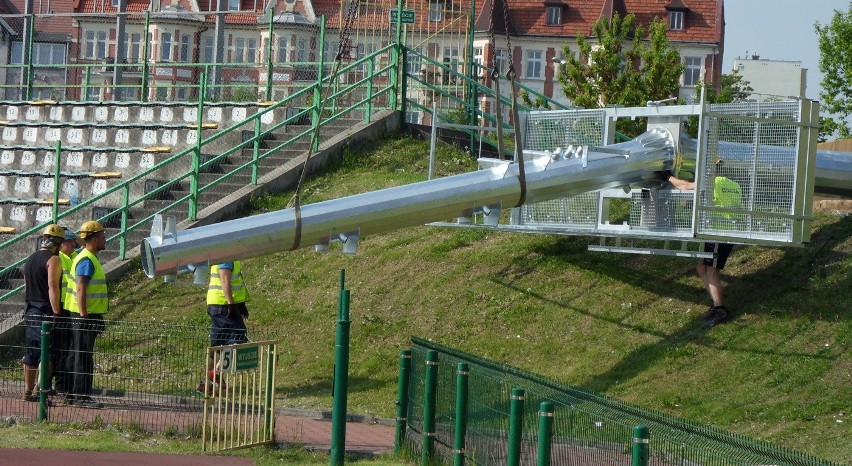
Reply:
x=379, y=74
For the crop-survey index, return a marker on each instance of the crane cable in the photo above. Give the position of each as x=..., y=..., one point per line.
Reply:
x=342, y=47
x=510, y=76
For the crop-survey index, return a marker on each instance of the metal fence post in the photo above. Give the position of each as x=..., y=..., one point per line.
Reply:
x=429, y=401
x=43, y=373
x=516, y=425
x=341, y=383
x=462, y=375
x=641, y=437
x=545, y=432
x=402, y=399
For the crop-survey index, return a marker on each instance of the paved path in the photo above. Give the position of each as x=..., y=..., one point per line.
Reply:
x=312, y=430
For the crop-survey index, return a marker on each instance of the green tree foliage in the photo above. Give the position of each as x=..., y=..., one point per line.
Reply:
x=621, y=68
x=733, y=88
x=835, y=62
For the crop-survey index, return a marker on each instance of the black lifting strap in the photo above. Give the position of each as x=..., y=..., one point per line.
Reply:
x=519, y=146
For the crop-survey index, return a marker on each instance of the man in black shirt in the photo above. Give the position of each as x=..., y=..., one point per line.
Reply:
x=43, y=278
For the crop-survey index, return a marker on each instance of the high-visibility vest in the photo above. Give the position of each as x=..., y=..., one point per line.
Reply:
x=97, y=299
x=69, y=288
x=215, y=295
x=726, y=193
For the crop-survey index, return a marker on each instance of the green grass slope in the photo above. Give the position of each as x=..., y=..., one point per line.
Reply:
x=623, y=325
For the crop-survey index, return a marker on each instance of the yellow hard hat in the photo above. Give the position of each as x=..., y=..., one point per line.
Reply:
x=89, y=228
x=54, y=230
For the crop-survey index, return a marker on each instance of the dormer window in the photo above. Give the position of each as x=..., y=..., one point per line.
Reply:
x=554, y=11
x=677, y=15
x=676, y=20
x=554, y=15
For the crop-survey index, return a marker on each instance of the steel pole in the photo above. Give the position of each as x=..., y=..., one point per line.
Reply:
x=462, y=375
x=430, y=399
x=402, y=400
x=340, y=384
x=516, y=426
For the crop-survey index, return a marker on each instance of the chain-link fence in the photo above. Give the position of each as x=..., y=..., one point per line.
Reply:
x=588, y=429
x=143, y=374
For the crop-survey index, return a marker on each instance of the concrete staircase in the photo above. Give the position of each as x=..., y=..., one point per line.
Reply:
x=276, y=172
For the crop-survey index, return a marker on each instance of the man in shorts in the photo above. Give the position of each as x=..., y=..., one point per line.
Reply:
x=726, y=193
x=43, y=281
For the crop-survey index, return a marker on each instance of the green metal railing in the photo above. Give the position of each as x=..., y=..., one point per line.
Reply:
x=587, y=428
x=375, y=85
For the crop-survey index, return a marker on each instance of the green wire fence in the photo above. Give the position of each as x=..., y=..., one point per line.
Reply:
x=587, y=428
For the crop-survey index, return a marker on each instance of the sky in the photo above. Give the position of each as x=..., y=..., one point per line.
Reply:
x=778, y=30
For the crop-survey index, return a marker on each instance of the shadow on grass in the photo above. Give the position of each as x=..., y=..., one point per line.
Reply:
x=318, y=386
x=758, y=290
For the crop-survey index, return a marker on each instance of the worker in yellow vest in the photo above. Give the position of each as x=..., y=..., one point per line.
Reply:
x=726, y=193
x=226, y=305
x=61, y=335
x=88, y=304
x=42, y=279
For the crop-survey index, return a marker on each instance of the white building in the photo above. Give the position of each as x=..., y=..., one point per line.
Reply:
x=773, y=79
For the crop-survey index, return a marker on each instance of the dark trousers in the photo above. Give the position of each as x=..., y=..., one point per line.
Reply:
x=61, y=337
x=81, y=359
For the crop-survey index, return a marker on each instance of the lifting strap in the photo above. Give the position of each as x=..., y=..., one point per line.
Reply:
x=498, y=98
x=510, y=76
x=338, y=59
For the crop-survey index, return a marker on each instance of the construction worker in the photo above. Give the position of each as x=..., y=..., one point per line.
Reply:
x=43, y=279
x=62, y=326
x=88, y=304
x=226, y=305
x=726, y=193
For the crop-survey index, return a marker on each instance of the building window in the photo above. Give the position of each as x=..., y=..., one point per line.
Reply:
x=554, y=15
x=436, y=11
x=184, y=48
x=302, y=50
x=114, y=3
x=209, y=46
x=283, y=49
x=413, y=62
x=501, y=61
x=239, y=50
x=251, y=50
x=166, y=46
x=331, y=49
x=95, y=44
x=412, y=118
x=135, y=52
x=535, y=60
x=233, y=5
x=691, y=71
x=676, y=20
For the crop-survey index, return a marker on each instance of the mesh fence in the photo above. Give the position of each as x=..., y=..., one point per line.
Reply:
x=588, y=429
x=755, y=145
x=144, y=374
x=553, y=132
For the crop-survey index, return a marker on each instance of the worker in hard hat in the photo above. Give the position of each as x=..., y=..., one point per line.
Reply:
x=43, y=284
x=88, y=304
x=61, y=336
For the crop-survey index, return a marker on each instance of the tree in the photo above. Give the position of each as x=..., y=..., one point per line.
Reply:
x=733, y=88
x=621, y=68
x=835, y=62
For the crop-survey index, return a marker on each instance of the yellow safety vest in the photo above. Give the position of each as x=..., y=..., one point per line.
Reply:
x=215, y=295
x=97, y=299
x=726, y=193
x=69, y=288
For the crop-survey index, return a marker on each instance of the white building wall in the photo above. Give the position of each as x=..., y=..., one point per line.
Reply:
x=772, y=79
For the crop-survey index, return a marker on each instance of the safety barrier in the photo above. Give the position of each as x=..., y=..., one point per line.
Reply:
x=452, y=403
x=239, y=396
x=145, y=375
